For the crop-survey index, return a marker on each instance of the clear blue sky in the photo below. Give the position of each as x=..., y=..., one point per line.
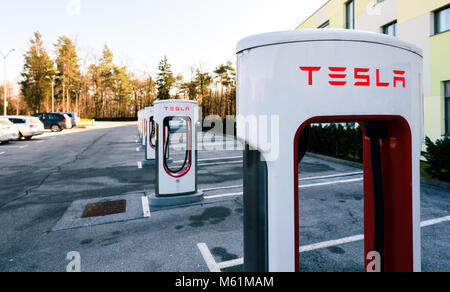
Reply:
x=141, y=32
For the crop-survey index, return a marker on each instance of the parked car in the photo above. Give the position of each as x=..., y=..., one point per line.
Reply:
x=27, y=126
x=75, y=119
x=54, y=122
x=69, y=124
x=8, y=131
x=4, y=136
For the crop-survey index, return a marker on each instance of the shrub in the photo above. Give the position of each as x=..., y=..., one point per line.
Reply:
x=438, y=159
x=337, y=141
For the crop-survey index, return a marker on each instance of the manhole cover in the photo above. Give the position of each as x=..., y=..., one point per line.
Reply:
x=105, y=208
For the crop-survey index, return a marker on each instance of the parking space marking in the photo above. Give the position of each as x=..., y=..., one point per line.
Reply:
x=220, y=163
x=222, y=188
x=332, y=183
x=332, y=176
x=306, y=248
x=300, y=187
x=220, y=158
x=230, y=264
x=139, y=164
x=325, y=244
x=146, y=207
x=435, y=221
x=1, y=153
x=208, y=257
x=302, y=179
x=212, y=159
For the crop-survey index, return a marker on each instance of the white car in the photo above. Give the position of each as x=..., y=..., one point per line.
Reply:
x=8, y=131
x=69, y=124
x=27, y=126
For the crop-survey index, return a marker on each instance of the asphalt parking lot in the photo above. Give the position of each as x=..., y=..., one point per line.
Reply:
x=46, y=180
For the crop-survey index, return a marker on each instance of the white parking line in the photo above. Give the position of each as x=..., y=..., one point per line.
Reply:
x=212, y=264
x=213, y=159
x=435, y=221
x=302, y=179
x=139, y=164
x=331, y=243
x=331, y=183
x=146, y=207
x=332, y=176
x=222, y=188
x=1, y=153
x=300, y=187
x=230, y=264
x=23, y=147
x=220, y=163
x=208, y=257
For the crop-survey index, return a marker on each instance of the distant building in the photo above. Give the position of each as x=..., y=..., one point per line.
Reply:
x=426, y=23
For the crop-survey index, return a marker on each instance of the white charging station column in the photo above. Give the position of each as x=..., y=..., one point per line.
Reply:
x=297, y=78
x=145, y=116
x=150, y=146
x=176, y=118
x=140, y=126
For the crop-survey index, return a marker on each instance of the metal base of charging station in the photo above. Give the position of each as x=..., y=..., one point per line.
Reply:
x=146, y=163
x=156, y=201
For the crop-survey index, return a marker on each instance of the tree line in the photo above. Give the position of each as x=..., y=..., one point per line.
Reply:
x=106, y=90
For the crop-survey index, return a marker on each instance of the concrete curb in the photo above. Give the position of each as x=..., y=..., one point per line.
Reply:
x=424, y=180
x=161, y=202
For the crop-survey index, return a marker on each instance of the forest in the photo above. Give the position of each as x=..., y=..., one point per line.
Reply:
x=105, y=90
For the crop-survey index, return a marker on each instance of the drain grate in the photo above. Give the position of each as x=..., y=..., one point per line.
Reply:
x=105, y=209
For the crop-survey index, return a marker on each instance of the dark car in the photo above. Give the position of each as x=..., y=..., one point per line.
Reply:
x=53, y=121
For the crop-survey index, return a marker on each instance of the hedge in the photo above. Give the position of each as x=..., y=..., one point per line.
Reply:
x=438, y=159
x=337, y=141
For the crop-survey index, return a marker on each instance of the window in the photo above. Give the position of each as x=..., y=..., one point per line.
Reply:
x=325, y=25
x=442, y=20
x=350, y=15
x=447, y=107
x=390, y=29
x=18, y=121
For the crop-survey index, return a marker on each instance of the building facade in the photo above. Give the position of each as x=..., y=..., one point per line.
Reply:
x=426, y=23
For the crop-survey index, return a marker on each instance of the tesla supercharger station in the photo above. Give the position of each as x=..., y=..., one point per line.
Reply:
x=140, y=126
x=176, y=181
x=150, y=144
x=146, y=112
x=297, y=78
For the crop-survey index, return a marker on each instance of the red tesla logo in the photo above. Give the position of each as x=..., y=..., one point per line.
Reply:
x=177, y=109
x=339, y=77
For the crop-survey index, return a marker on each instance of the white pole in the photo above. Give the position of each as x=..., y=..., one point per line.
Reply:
x=5, y=101
x=53, y=95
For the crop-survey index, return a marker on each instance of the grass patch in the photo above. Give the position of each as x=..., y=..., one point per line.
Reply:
x=423, y=170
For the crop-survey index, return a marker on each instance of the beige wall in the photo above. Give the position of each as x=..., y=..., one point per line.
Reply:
x=376, y=16
x=415, y=25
